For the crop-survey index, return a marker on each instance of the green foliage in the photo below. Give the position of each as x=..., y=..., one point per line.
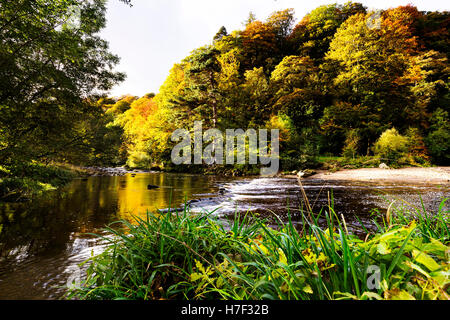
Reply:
x=433, y=31
x=259, y=45
x=418, y=152
x=336, y=163
x=351, y=144
x=341, y=79
x=438, y=139
x=47, y=70
x=295, y=84
x=185, y=256
x=23, y=181
x=313, y=35
x=139, y=160
x=391, y=146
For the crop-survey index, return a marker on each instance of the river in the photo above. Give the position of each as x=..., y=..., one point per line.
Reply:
x=43, y=241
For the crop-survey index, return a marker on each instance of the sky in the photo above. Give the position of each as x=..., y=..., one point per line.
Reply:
x=153, y=35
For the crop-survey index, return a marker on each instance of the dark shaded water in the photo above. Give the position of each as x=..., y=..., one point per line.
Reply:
x=42, y=242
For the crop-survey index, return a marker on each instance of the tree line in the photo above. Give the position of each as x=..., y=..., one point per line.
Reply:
x=343, y=81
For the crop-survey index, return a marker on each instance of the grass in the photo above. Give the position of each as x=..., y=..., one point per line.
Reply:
x=187, y=256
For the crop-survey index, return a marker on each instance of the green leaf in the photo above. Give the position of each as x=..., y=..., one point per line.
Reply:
x=441, y=277
x=397, y=294
x=435, y=247
x=196, y=276
x=417, y=268
x=308, y=289
x=370, y=295
x=424, y=259
x=382, y=248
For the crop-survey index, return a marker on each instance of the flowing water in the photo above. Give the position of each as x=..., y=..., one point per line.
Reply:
x=43, y=241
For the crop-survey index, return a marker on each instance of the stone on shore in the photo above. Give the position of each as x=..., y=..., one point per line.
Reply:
x=383, y=166
x=305, y=173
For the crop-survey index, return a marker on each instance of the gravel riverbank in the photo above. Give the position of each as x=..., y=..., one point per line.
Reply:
x=440, y=175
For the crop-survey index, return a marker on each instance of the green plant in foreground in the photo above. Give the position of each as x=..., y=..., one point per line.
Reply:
x=187, y=256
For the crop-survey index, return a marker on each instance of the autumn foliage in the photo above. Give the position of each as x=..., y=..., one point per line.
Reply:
x=336, y=82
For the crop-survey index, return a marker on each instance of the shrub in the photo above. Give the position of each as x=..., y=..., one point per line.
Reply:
x=25, y=180
x=391, y=146
x=139, y=160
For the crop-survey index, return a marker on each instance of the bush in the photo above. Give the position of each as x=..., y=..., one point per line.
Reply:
x=139, y=160
x=18, y=189
x=391, y=146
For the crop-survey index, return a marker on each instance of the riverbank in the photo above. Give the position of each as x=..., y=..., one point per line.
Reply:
x=435, y=175
x=23, y=181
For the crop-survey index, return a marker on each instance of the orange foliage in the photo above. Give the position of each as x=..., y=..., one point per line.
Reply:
x=398, y=26
x=259, y=42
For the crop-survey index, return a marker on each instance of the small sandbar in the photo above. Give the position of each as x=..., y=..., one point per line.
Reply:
x=434, y=175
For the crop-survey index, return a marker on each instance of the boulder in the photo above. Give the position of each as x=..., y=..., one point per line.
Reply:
x=383, y=166
x=305, y=173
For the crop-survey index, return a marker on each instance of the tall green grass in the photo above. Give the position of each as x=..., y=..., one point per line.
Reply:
x=195, y=256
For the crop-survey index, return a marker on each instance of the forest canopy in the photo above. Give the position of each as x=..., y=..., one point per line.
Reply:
x=335, y=83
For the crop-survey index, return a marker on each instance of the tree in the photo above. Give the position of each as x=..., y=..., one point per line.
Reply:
x=256, y=101
x=117, y=107
x=313, y=35
x=351, y=144
x=127, y=2
x=229, y=81
x=380, y=71
x=438, y=139
x=391, y=146
x=259, y=44
x=135, y=123
x=201, y=93
x=418, y=152
x=220, y=34
x=48, y=69
x=433, y=31
x=295, y=85
x=250, y=19
x=282, y=24
x=337, y=81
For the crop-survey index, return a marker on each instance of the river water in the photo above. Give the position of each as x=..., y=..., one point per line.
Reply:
x=43, y=241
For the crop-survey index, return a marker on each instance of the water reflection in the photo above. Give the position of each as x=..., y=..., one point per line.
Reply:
x=84, y=206
x=134, y=198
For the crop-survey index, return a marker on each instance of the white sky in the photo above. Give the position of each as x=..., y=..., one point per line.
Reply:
x=154, y=34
